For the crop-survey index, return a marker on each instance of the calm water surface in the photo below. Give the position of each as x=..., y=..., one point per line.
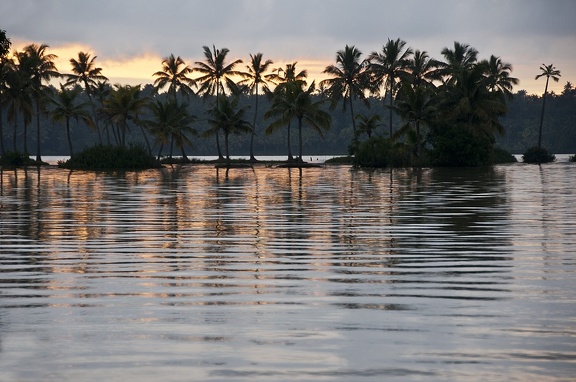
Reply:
x=331, y=274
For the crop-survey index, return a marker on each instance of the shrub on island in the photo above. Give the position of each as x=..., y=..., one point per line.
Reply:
x=382, y=152
x=16, y=159
x=537, y=155
x=103, y=157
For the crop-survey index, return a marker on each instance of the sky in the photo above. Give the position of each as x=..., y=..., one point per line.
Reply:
x=131, y=37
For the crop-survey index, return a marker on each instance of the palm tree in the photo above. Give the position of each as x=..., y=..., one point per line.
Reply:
x=417, y=107
x=281, y=77
x=254, y=78
x=460, y=59
x=171, y=122
x=422, y=69
x=548, y=71
x=101, y=91
x=468, y=101
x=85, y=72
x=349, y=80
x=6, y=66
x=297, y=102
x=124, y=105
x=229, y=118
x=66, y=106
x=19, y=98
x=498, y=76
x=215, y=77
x=367, y=125
x=174, y=73
x=389, y=65
x=41, y=68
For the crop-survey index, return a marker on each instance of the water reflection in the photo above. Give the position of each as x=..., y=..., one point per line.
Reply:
x=263, y=273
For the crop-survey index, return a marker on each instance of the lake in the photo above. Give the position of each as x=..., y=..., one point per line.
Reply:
x=269, y=274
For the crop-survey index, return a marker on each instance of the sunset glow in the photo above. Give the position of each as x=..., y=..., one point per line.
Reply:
x=138, y=69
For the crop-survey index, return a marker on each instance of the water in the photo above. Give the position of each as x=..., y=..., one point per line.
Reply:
x=331, y=274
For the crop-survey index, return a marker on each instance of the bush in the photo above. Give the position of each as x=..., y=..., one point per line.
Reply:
x=382, y=152
x=111, y=158
x=538, y=155
x=15, y=158
x=460, y=146
x=573, y=158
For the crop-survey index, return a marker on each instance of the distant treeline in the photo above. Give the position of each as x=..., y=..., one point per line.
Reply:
x=520, y=123
x=420, y=110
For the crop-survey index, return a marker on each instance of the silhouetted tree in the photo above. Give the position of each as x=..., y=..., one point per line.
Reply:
x=387, y=67
x=297, y=102
x=281, y=78
x=40, y=67
x=254, y=78
x=228, y=117
x=350, y=79
x=66, y=105
x=174, y=73
x=85, y=72
x=548, y=71
x=215, y=77
x=172, y=122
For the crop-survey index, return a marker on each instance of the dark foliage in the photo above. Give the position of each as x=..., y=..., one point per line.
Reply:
x=16, y=159
x=102, y=157
x=459, y=146
x=382, y=152
x=538, y=155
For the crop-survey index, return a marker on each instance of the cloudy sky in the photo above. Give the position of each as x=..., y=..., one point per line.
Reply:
x=130, y=37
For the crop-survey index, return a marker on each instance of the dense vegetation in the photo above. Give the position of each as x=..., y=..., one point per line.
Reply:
x=400, y=107
x=102, y=157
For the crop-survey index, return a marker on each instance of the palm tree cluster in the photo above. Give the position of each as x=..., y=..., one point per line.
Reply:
x=461, y=92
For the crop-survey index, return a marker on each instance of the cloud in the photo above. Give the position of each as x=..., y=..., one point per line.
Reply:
x=523, y=32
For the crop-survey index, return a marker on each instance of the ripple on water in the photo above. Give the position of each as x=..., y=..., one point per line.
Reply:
x=436, y=274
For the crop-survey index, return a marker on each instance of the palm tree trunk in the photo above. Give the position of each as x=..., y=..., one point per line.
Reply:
x=184, y=157
x=146, y=139
x=38, y=155
x=68, y=136
x=107, y=129
x=220, y=156
x=542, y=114
x=390, y=115
x=15, y=130
x=418, y=148
x=160, y=151
x=115, y=134
x=217, y=131
x=290, y=157
x=227, y=149
x=352, y=113
x=89, y=93
x=300, y=140
x=1, y=130
x=252, y=158
x=25, y=136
